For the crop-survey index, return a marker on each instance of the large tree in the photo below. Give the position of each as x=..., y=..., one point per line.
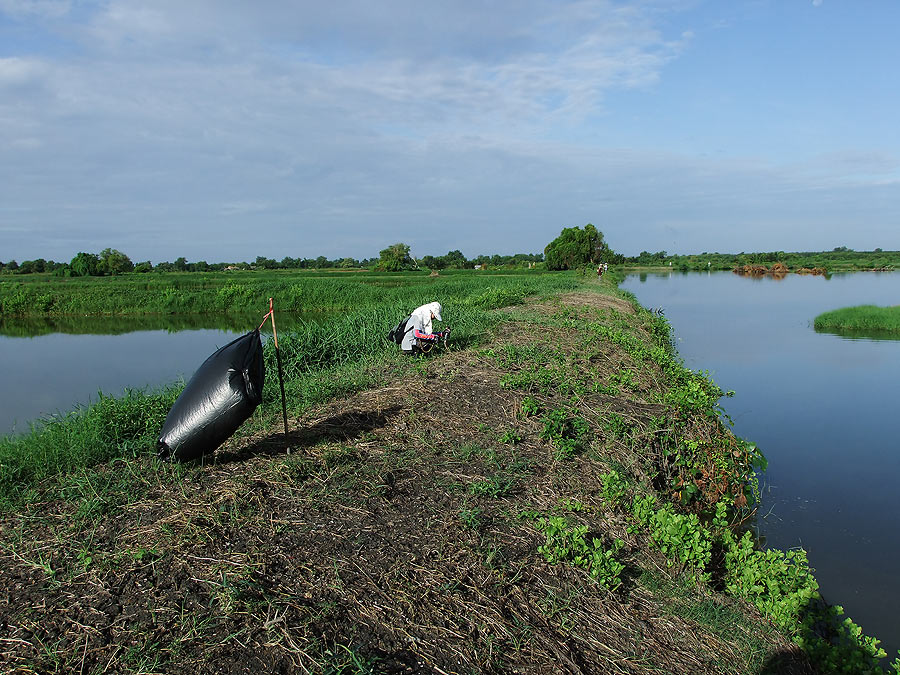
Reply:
x=456, y=260
x=86, y=265
x=114, y=262
x=395, y=258
x=575, y=247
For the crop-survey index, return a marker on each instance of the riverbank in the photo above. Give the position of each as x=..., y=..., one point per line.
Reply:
x=531, y=503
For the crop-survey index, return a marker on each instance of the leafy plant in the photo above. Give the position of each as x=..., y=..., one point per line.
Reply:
x=566, y=542
x=568, y=433
x=530, y=407
x=494, y=487
x=510, y=437
x=470, y=518
x=680, y=537
x=614, y=486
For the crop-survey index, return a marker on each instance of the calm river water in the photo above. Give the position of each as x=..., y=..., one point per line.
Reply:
x=824, y=410
x=52, y=366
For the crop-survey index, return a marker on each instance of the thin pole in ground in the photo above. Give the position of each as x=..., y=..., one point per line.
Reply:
x=271, y=315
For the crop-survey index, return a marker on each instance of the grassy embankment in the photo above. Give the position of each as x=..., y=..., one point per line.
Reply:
x=862, y=319
x=559, y=494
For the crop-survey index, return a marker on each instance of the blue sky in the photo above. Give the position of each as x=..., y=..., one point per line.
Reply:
x=221, y=130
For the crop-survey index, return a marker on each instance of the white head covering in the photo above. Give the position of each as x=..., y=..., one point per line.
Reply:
x=435, y=308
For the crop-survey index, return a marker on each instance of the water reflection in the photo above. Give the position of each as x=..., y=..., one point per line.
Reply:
x=860, y=334
x=66, y=361
x=118, y=325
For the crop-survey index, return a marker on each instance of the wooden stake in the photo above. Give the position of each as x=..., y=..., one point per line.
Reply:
x=280, y=375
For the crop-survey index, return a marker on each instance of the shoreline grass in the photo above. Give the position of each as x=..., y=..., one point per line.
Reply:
x=861, y=318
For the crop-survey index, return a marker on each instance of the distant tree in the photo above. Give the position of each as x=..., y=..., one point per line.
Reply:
x=347, y=263
x=180, y=264
x=33, y=266
x=86, y=265
x=456, y=260
x=12, y=266
x=114, y=262
x=575, y=247
x=395, y=258
x=263, y=263
x=435, y=263
x=143, y=267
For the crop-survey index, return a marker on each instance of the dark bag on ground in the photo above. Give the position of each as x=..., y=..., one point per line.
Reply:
x=397, y=332
x=223, y=393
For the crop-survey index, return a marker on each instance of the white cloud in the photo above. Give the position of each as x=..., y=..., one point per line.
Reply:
x=47, y=9
x=18, y=72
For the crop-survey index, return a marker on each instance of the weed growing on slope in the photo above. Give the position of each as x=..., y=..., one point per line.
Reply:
x=567, y=542
x=569, y=433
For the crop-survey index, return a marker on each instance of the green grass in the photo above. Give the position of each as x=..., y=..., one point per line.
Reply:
x=321, y=359
x=248, y=292
x=863, y=318
x=111, y=427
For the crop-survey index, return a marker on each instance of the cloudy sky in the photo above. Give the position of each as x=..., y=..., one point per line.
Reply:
x=222, y=130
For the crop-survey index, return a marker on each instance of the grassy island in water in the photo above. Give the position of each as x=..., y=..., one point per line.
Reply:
x=864, y=318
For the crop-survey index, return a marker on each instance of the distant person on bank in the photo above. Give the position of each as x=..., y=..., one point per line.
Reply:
x=419, y=326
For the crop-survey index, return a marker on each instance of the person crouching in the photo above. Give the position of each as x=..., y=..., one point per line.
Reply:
x=419, y=327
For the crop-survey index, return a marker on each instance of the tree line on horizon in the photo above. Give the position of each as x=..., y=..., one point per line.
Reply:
x=841, y=256
x=574, y=248
x=111, y=262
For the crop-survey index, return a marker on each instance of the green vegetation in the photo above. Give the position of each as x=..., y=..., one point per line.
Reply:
x=567, y=542
x=321, y=359
x=248, y=292
x=863, y=319
x=575, y=248
x=127, y=426
x=393, y=258
x=838, y=260
x=117, y=324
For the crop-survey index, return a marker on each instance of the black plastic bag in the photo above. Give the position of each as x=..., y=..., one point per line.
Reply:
x=223, y=393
